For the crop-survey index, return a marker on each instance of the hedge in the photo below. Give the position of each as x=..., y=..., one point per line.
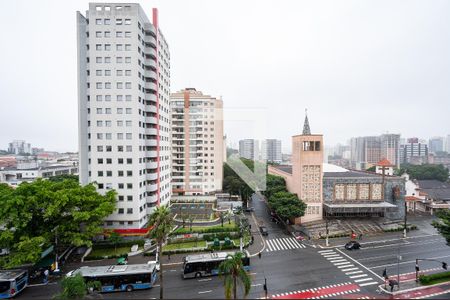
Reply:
x=206, y=230
x=103, y=257
x=400, y=228
x=105, y=245
x=434, y=278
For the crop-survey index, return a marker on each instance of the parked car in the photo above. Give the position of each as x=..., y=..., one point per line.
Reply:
x=263, y=230
x=352, y=245
x=249, y=209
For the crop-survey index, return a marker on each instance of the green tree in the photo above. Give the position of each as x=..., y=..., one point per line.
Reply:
x=73, y=287
x=443, y=224
x=287, y=205
x=222, y=217
x=191, y=221
x=184, y=218
x=371, y=169
x=59, y=178
x=31, y=212
x=228, y=216
x=425, y=172
x=232, y=269
x=162, y=222
x=115, y=238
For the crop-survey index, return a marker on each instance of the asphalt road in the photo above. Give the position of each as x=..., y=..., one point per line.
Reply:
x=292, y=267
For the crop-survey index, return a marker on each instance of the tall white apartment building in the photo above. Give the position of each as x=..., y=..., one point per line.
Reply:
x=197, y=142
x=123, y=100
x=249, y=149
x=19, y=147
x=271, y=150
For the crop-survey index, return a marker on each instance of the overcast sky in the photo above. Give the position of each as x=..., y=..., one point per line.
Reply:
x=360, y=67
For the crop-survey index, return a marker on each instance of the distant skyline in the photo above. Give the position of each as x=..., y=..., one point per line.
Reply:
x=361, y=68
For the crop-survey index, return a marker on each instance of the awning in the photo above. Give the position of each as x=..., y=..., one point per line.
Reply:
x=360, y=207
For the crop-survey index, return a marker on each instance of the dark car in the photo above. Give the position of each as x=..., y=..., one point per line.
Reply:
x=249, y=209
x=263, y=230
x=352, y=245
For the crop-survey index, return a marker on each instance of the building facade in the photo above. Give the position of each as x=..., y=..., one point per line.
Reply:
x=197, y=142
x=19, y=147
x=367, y=151
x=436, y=144
x=271, y=151
x=413, y=152
x=123, y=100
x=249, y=149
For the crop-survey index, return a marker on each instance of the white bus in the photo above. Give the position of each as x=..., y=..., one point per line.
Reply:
x=12, y=282
x=207, y=264
x=119, y=278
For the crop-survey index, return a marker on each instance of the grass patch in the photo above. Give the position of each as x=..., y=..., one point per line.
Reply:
x=109, y=251
x=187, y=245
x=207, y=229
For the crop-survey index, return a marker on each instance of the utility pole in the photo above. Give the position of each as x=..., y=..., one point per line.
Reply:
x=404, y=229
x=326, y=231
x=56, y=250
x=398, y=264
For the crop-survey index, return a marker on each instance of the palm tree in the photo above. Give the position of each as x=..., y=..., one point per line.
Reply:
x=162, y=222
x=184, y=218
x=221, y=216
x=233, y=269
x=228, y=216
x=191, y=221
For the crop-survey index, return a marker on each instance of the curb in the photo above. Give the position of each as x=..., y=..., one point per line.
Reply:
x=262, y=239
x=381, y=287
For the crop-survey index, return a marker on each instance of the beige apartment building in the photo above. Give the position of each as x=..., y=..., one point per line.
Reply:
x=197, y=142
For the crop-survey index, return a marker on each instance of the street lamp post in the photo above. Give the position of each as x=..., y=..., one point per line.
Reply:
x=326, y=231
x=404, y=228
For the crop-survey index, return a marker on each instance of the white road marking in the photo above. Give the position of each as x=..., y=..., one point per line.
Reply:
x=325, y=251
x=204, y=292
x=341, y=263
x=336, y=259
x=354, y=272
x=378, y=276
x=363, y=279
x=368, y=283
x=340, y=267
x=358, y=276
x=351, y=269
x=258, y=284
x=405, y=262
x=206, y=279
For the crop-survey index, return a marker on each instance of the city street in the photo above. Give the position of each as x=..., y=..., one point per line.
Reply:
x=296, y=270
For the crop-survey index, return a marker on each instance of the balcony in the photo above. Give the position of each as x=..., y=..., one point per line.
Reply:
x=150, y=97
x=151, y=165
x=152, y=120
x=151, y=176
x=152, y=131
x=150, y=39
x=150, y=74
x=150, y=85
x=150, y=62
x=150, y=50
x=151, y=153
x=152, y=188
x=151, y=142
x=152, y=199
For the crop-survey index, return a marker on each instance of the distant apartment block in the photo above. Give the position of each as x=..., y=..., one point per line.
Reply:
x=436, y=144
x=19, y=147
x=271, y=150
x=413, y=152
x=197, y=142
x=14, y=176
x=367, y=151
x=249, y=149
x=123, y=100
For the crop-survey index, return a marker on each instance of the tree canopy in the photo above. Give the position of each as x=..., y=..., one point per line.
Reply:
x=424, y=172
x=34, y=213
x=233, y=184
x=443, y=224
x=287, y=205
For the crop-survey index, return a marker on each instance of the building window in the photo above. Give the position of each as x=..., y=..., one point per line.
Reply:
x=128, y=85
x=129, y=210
x=99, y=97
x=107, y=97
x=98, y=21
x=107, y=72
x=107, y=21
x=119, y=47
x=127, y=34
x=108, y=85
x=127, y=72
x=99, y=111
x=127, y=47
x=98, y=47
x=119, y=34
x=107, y=60
x=118, y=21
x=100, y=173
x=119, y=97
x=128, y=60
x=107, y=34
x=119, y=85
x=120, y=136
x=128, y=97
x=119, y=123
x=98, y=60
x=108, y=111
x=119, y=110
x=120, y=211
x=128, y=111
x=98, y=34
x=108, y=123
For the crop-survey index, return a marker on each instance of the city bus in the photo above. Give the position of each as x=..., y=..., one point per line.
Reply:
x=12, y=282
x=207, y=264
x=119, y=278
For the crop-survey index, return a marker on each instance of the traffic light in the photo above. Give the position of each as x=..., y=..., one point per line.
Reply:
x=444, y=265
x=417, y=268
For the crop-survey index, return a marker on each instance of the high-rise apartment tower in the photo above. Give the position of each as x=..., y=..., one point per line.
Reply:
x=123, y=100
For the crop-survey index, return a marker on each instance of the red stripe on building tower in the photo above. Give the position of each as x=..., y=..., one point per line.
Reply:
x=158, y=183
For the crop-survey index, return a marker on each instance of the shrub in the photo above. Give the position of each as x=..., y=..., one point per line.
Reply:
x=434, y=278
x=73, y=287
x=107, y=245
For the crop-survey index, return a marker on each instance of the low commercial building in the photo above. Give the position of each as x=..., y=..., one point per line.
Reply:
x=15, y=176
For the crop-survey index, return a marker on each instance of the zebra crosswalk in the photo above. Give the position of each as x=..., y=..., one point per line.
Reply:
x=280, y=244
x=352, y=271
